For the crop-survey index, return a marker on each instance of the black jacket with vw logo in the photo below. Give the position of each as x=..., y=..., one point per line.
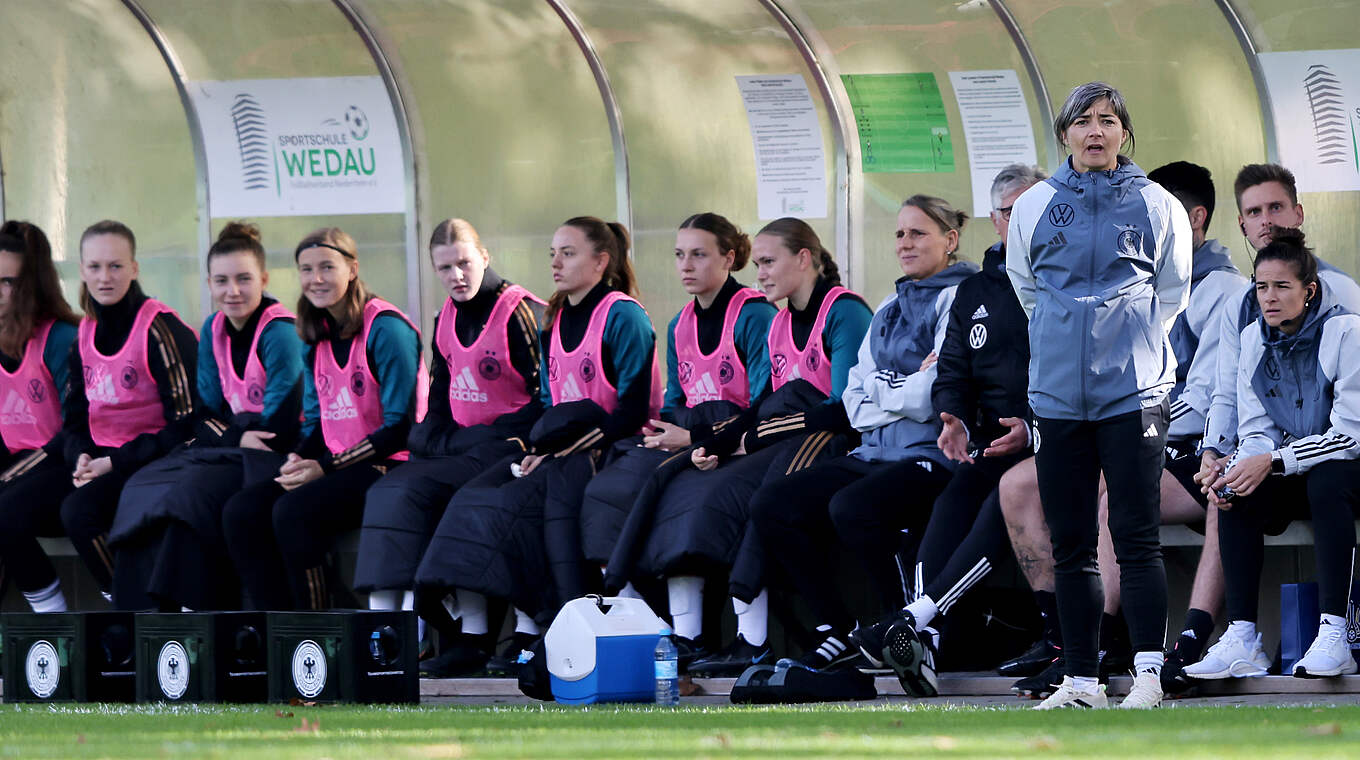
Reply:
x=983, y=368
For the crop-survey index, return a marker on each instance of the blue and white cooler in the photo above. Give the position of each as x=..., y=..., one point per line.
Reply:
x=602, y=650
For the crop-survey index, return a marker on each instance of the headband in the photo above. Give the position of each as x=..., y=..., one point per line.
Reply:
x=305, y=246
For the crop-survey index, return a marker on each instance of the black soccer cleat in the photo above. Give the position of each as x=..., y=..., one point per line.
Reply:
x=911, y=655
x=1033, y=662
x=505, y=663
x=458, y=659
x=1175, y=683
x=1041, y=684
x=732, y=661
x=871, y=638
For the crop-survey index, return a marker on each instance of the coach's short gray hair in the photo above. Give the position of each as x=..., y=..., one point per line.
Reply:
x=1012, y=178
x=1081, y=98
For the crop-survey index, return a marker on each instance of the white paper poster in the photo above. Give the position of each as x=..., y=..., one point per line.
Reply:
x=1315, y=96
x=787, y=139
x=300, y=147
x=996, y=127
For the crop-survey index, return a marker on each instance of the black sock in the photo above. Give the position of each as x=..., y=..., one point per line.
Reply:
x=1114, y=633
x=1048, y=610
x=1190, y=644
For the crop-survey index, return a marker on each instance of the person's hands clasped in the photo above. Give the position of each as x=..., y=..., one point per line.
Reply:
x=665, y=436
x=88, y=468
x=297, y=472
x=1243, y=478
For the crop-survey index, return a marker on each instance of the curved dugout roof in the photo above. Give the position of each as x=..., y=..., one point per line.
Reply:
x=517, y=114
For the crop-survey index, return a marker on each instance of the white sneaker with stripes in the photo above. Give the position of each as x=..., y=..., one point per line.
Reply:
x=1067, y=696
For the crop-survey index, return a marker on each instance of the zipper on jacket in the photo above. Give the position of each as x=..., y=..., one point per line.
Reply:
x=1086, y=307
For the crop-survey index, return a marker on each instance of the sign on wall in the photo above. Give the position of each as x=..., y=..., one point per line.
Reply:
x=901, y=122
x=996, y=127
x=1315, y=97
x=300, y=147
x=787, y=140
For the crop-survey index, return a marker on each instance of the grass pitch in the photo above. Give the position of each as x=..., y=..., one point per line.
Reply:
x=893, y=730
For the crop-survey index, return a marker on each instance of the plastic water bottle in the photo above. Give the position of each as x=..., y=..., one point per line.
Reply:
x=667, y=671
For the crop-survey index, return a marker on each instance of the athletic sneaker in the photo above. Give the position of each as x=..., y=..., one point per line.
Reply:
x=505, y=663
x=1033, y=662
x=687, y=651
x=1329, y=655
x=732, y=661
x=1067, y=696
x=871, y=638
x=1231, y=657
x=911, y=655
x=831, y=652
x=1044, y=683
x=458, y=659
x=1146, y=692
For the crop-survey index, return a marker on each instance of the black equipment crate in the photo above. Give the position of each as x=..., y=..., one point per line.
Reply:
x=348, y=656
x=68, y=657
x=202, y=657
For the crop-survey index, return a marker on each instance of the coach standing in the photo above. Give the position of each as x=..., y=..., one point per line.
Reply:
x=1100, y=258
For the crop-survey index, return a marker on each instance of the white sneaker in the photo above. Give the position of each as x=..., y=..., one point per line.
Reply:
x=1329, y=655
x=1145, y=694
x=1067, y=696
x=1231, y=657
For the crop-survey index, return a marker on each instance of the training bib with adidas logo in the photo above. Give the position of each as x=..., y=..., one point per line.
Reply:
x=349, y=396
x=788, y=362
x=244, y=393
x=30, y=410
x=483, y=384
x=577, y=374
x=719, y=376
x=124, y=399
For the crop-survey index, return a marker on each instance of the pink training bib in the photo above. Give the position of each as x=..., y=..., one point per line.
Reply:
x=30, y=411
x=244, y=393
x=575, y=375
x=349, y=396
x=787, y=362
x=483, y=384
x=124, y=400
x=719, y=376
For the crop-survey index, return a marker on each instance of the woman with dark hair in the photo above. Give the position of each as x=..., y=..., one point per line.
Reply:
x=514, y=532
x=364, y=385
x=1100, y=258
x=717, y=365
x=132, y=398
x=485, y=357
x=1298, y=395
x=37, y=330
x=690, y=521
x=869, y=498
x=167, y=534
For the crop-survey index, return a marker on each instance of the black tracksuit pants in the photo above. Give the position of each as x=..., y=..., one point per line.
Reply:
x=278, y=539
x=966, y=536
x=30, y=506
x=1330, y=492
x=87, y=513
x=865, y=506
x=1070, y=458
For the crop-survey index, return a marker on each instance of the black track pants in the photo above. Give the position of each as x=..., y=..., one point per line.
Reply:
x=966, y=537
x=1330, y=492
x=865, y=506
x=30, y=506
x=278, y=539
x=1130, y=450
x=87, y=513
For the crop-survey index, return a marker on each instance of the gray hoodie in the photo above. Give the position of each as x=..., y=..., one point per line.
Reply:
x=1101, y=262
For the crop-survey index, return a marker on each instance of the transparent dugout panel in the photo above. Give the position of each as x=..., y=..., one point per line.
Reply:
x=91, y=128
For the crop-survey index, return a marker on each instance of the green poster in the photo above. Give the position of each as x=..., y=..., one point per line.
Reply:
x=902, y=123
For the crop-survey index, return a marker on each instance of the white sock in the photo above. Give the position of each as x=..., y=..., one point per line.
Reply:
x=385, y=599
x=1242, y=630
x=686, y=594
x=1144, y=662
x=450, y=603
x=629, y=592
x=473, y=607
x=49, y=599
x=1332, y=619
x=753, y=620
x=524, y=623
x=924, y=610
x=408, y=600
x=1085, y=684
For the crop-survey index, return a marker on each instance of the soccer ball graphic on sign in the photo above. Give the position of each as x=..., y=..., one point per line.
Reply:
x=357, y=121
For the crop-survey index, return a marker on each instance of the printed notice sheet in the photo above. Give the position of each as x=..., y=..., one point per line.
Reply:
x=996, y=127
x=787, y=140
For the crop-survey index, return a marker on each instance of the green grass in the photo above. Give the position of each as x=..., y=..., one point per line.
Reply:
x=892, y=730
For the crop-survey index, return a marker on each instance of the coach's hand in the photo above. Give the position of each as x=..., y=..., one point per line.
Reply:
x=255, y=439
x=953, y=440
x=1014, y=440
x=665, y=436
x=297, y=472
x=1210, y=467
x=1245, y=476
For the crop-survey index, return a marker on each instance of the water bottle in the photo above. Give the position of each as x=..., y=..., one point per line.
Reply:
x=667, y=671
